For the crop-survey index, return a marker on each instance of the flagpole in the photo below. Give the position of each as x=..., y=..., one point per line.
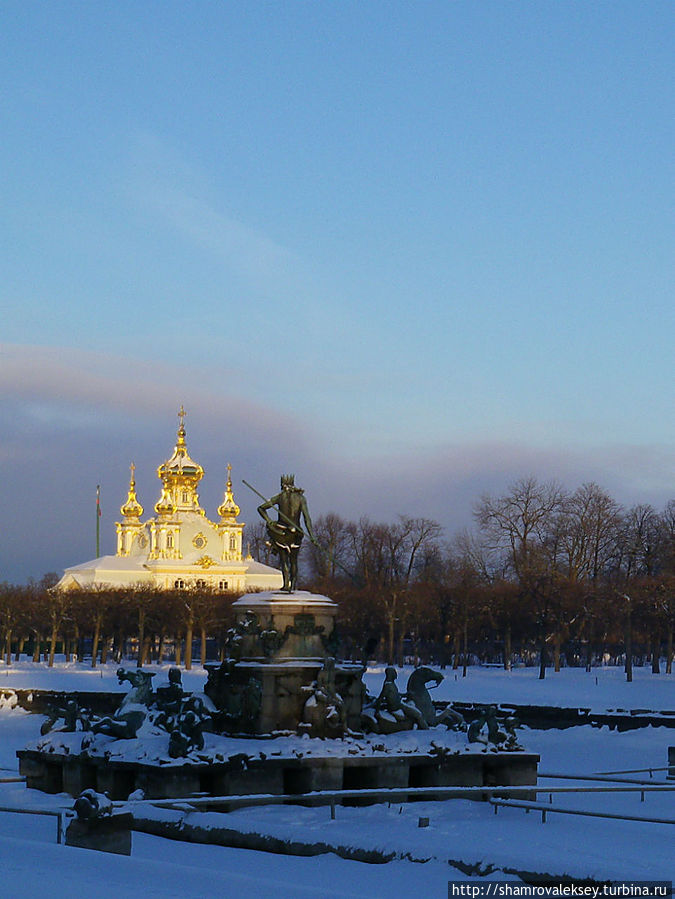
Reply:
x=98, y=519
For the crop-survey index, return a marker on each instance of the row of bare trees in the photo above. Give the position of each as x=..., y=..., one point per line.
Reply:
x=548, y=575
x=39, y=619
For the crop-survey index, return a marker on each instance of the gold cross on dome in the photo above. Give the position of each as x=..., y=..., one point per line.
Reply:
x=181, y=414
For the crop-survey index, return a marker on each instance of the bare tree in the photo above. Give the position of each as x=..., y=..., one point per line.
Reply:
x=588, y=526
x=386, y=558
x=333, y=558
x=641, y=541
x=521, y=525
x=258, y=544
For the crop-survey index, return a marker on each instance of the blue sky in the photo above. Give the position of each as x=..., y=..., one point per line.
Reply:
x=411, y=251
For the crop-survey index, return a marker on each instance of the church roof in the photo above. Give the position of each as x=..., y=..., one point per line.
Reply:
x=136, y=569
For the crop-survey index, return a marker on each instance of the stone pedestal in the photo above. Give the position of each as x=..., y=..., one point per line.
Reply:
x=108, y=834
x=277, y=648
x=259, y=697
x=276, y=626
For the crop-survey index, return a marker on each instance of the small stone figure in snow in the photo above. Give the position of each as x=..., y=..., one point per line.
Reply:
x=325, y=711
x=474, y=734
x=499, y=738
x=169, y=700
x=169, y=696
x=418, y=694
x=495, y=735
x=179, y=744
x=70, y=714
x=133, y=711
x=8, y=698
x=90, y=804
x=236, y=637
x=511, y=744
x=188, y=732
x=251, y=700
x=390, y=713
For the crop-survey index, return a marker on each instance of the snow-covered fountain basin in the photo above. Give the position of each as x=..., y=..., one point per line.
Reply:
x=278, y=765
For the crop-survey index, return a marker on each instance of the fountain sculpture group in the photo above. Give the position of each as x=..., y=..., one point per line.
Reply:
x=280, y=678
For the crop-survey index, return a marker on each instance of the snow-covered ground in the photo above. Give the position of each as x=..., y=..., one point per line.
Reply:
x=600, y=689
x=31, y=863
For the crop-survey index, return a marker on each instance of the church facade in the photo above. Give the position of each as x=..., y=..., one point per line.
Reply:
x=179, y=547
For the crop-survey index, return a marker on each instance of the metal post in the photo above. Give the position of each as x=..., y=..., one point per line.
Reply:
x=98, y=520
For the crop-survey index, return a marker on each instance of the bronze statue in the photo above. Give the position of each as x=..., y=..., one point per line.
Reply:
x=286, y=533
x=418, y=694
x=134, y=708
x=70, y=713
x=324, y=712
x=506, y=740
x=391, y=711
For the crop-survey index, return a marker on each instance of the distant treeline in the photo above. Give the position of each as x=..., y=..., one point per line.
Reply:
x=549, y=577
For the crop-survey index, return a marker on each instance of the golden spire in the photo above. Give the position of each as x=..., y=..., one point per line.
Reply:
x=181, y=427
x=132, y=508
x=228, y=509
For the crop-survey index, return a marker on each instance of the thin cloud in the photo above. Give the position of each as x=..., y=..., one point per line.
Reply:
x=164, y=186
x=53, y=382
x=77, y=419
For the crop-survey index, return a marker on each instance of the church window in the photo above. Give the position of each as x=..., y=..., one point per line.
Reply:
x=185, y=496
x=169, y=541
x=200, y=583
x=233, y=542
x=179, y=584
x=222, y=585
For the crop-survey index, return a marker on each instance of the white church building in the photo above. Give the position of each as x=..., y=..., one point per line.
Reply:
x=179, y=547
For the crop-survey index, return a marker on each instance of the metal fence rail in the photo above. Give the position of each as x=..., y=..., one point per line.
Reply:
x=604, y=778
x=59, y=815
x=402, y=794
x=636, y=770
x=545, y=809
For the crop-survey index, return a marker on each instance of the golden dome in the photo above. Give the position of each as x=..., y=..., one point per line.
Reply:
x=228, y=509
x=165, y=506
x=132, y=508
x=180, y=469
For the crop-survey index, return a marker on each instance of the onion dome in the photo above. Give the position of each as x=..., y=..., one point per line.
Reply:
x=228, y=509
x=165, y=506
x=180, y=469
x=132, y=509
